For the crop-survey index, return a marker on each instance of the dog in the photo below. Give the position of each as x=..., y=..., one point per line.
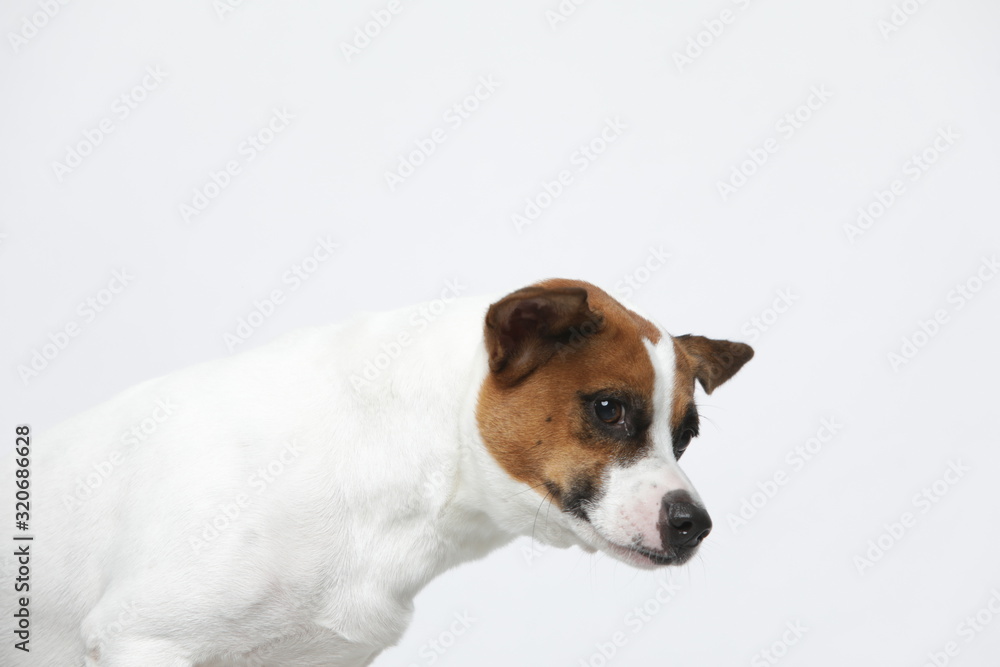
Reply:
x=283, y=506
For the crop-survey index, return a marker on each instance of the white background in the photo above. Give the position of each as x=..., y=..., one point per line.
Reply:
x=687, y=126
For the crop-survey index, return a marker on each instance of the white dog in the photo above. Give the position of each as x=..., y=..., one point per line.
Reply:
x=284, y=506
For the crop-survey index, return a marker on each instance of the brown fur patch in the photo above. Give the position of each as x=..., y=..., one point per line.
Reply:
x=606, y=304
x=683, y=386
x=548, y=406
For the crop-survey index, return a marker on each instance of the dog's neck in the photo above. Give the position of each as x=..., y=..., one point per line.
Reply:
x=460, y=506
x=487, y=507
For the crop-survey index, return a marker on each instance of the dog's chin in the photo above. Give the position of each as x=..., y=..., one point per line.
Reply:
x=639, y=557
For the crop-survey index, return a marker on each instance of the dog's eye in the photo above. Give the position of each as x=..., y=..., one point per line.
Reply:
x=609, y=411
x=683, y=441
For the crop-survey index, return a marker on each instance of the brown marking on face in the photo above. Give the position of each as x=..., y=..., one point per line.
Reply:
x=683, y=394
x=553, y=402
x=607, y=304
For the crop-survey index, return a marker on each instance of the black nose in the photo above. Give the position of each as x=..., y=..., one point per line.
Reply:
x=682, y=523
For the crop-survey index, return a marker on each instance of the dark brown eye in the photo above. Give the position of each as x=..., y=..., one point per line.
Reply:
x=609, y=411
x=683, y=441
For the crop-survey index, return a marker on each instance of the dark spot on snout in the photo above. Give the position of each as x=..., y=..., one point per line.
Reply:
x=583, y=491
x=554, y=491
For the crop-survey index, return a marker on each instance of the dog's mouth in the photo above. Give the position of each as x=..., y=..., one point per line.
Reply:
x=636, y=555
x=657, y=558
x=642, y=556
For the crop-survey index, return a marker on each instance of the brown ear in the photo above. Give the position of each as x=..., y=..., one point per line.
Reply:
x=713, y=361
x=524, y=329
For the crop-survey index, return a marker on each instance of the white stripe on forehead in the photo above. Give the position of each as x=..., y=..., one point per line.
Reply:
x=661, y=355
x=628, y=512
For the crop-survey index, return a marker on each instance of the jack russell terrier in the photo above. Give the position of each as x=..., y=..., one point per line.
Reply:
x=269, y=509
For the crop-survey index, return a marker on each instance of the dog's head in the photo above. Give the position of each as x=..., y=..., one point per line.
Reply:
x=591, y=405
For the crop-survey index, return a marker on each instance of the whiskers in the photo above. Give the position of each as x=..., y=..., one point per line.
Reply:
x=530, y=488
x=545, y=499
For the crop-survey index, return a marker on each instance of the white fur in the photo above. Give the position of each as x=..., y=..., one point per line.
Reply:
x=333, y=505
